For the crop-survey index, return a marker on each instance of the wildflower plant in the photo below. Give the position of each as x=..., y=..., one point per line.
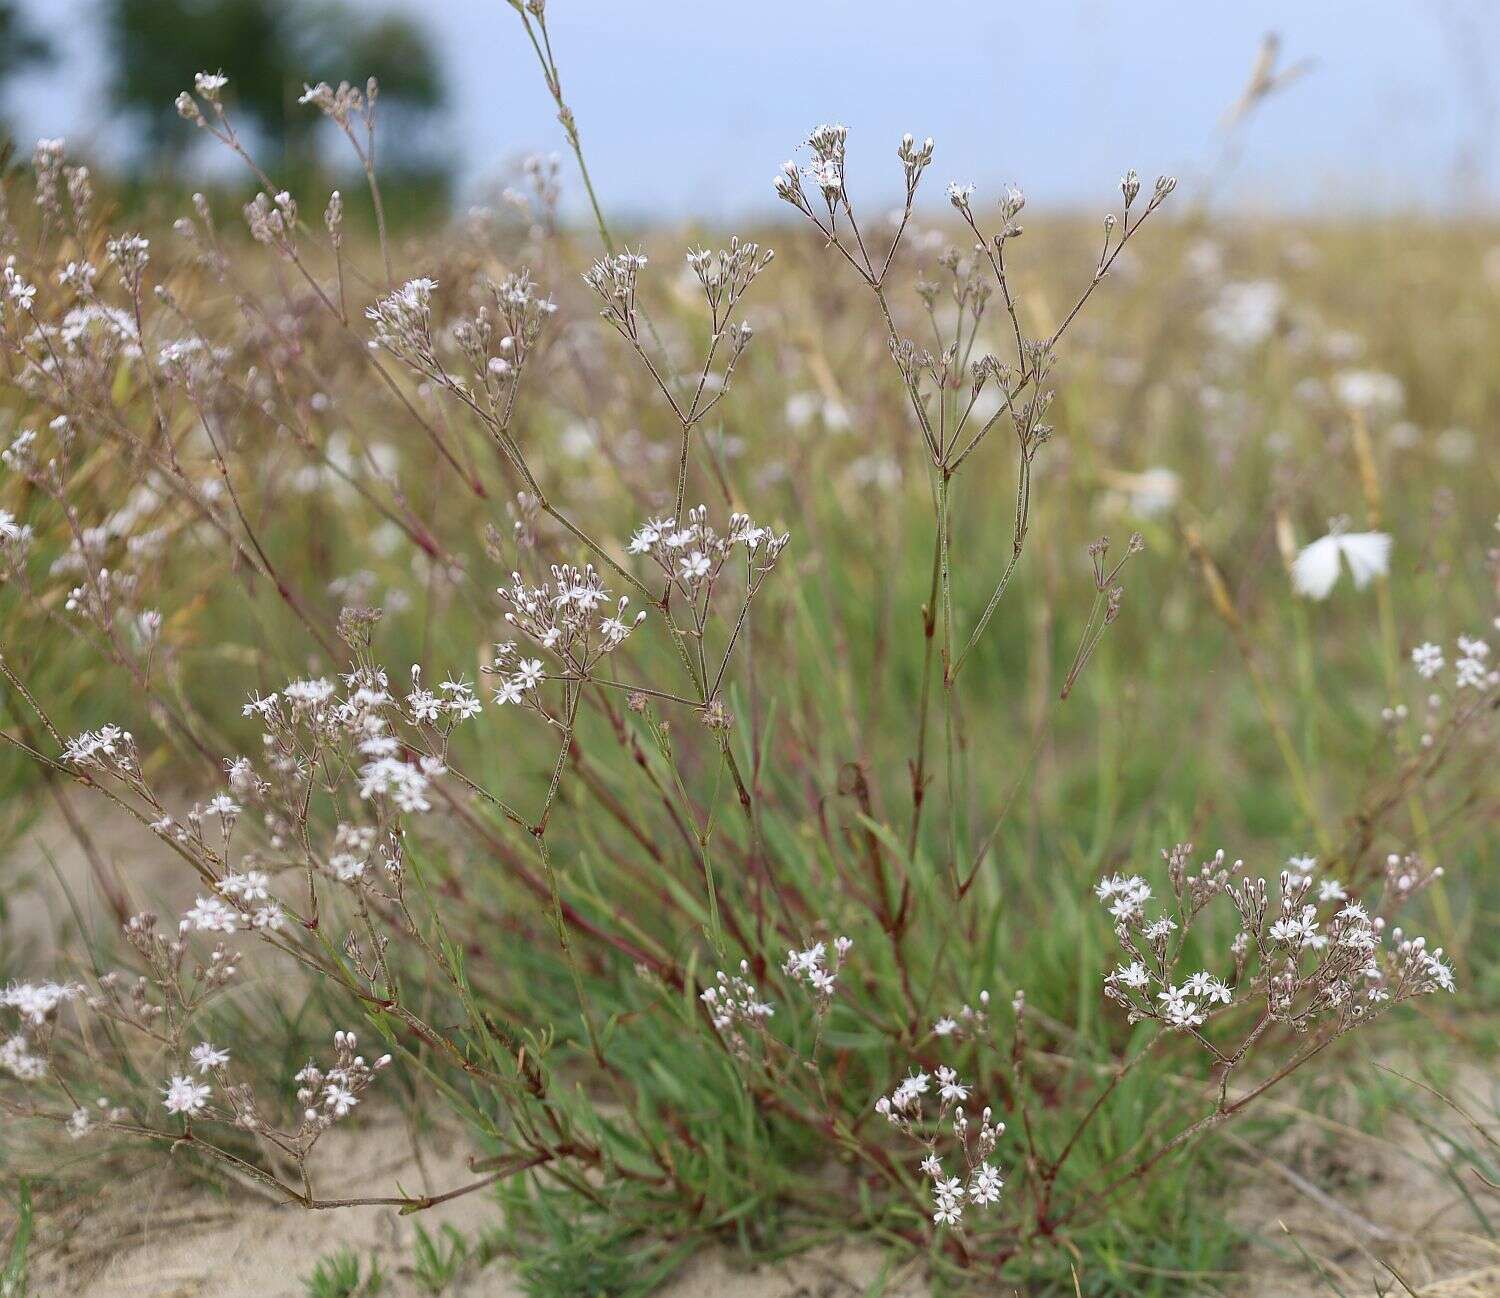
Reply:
x=609, y=857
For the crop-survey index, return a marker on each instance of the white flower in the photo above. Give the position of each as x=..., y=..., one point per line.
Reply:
x=1369, y=390
x=949, y=1087
x=1126, y=895
x=184, y=1095
x=404, y=783
x=1293, y=930
x=261, y=707
x=1160, y=929
x=308, y=694
x=35, y=1001
x=1245, y=315
x=1207, y=986
x=1132, y=975
x=346, y=866
x=948, y=1196
x=986, y=1185
x=206, y=1057
x=252, y=885
x=529, y=673
x=1472, y=671
x=210, y=915
x=339, y=1099
x=1316, y=568
x=1427, y=658
x=650, y=533
x=695, y=566
x=1177, y=1011
x=17, y=1060
x=909, y=1091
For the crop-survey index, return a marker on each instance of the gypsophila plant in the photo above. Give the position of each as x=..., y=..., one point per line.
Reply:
x=517, y=725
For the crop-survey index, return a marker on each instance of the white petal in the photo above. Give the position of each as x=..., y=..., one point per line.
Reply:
x=1316, y=569
x=1368, y=554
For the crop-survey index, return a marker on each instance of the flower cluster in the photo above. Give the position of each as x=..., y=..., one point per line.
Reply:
x=811, y=967
x=1308, y=959
x=454, y=702
x=614, y=279
x=969, y=1022
x=403, y=324
x=36, y=1002
x=733, y=1003
x=108, y=749
x=693, y=554
x=726, y=274
x=980, y=1182
x=569, y=617
x=499, y=340
x=328, y=1095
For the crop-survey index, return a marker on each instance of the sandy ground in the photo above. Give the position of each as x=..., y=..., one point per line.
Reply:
x=1350, y=1203
x=167, y=1239
x=163, y=1236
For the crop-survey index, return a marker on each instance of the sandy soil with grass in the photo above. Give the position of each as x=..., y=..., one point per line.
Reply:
x=1373, y=1216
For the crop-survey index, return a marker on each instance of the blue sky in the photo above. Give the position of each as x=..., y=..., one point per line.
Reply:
x=688, y=106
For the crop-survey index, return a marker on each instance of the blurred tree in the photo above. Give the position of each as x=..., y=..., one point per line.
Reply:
x=268, y=49
x=20, y=45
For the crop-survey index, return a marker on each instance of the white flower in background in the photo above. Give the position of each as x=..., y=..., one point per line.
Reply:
x=1455, y=445
x=1245, y=315
x=1370, y=391
x=17, y=1060
x=1472, y=669
x=1154, y=492
x=35, y=1001
x=1427, y=658
x=1316, y=568
x=1301, y=868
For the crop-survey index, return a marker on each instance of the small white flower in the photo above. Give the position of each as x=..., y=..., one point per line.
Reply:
x=210, y=915
x=950, y=1089
x=1427, y=658
x=1316, y=568
x=184, y=1095
x=206, y=1057
x=1132, y=975
x=339, y=1099
x=986, y=1185
x=529, y=673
